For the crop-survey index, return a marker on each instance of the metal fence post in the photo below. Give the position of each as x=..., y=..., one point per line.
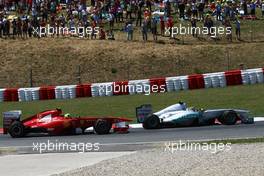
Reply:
x=79, y=75
x=31, y=77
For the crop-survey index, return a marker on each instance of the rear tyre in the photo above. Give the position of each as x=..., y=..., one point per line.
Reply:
x=83, y=130
x=152, y=122
x=102, y=126
x=17, y=130
x=228, y=118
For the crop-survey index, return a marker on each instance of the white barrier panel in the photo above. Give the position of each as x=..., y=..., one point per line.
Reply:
x=28, y=94
x=169, y=84
x=245, y=77
x=72, y=91
x=108, y=88
x=184, y=82
x=2, y=95
x=132, y=87
x=177, y=83
x=58, y=92
x=207, y=80
x=95, y=89
x=65, y=92
x=260, y=75
x=252, y=76
x=21, y=94
x=218, y=79
x=139, y=86
x=102, y=89
x=35, y=93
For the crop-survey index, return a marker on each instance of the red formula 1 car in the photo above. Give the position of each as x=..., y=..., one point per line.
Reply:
x=54, y=122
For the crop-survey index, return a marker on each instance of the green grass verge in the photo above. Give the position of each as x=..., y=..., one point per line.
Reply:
x=245, y=97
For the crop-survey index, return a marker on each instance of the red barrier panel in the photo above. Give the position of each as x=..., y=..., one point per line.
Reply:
x=196, y=81
x=120, y=88
x=233, y=77
x=11, y=94
x=43, y=94
x=87, y=91
x=79, y=91
x=157, y=85
x=83, y=90
x=51, y=92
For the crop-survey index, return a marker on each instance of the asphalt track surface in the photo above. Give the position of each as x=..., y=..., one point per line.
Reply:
x=139, y=136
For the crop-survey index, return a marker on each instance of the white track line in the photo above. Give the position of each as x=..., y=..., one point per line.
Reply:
x=258, y=119
x=138, y=125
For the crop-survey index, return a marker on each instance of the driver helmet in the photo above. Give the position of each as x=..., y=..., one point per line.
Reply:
x=67, y=115
x=183, y=105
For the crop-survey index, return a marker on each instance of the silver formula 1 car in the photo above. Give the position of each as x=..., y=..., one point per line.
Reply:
x=179, y=115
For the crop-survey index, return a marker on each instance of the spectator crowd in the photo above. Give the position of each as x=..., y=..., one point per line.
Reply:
x=23, y=18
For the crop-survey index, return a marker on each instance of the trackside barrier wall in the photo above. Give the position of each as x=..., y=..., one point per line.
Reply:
x=177, y=83
x=184, y=82
x=158, y=84
x=218, y=79
x=120, y=88
x=43, y=93
x=83, y=90
x=102, y=89
x=252, y=76
x=139, y=86
x=233, y=77
x=197, y=81
x=65, y=92
x=2, y=95
x=28, y=94
x=47, y=93
x=170, y=84
x=208, y=80
x=11, y=94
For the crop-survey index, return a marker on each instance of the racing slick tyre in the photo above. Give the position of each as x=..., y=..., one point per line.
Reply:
x=228, y=118
x=16, y=129
x=102, y=126
x=152, y=122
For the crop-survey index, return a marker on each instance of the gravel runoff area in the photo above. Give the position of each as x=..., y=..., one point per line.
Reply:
x=241, y=160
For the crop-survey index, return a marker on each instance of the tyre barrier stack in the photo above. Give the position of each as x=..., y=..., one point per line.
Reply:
x=2, y=95
x=144, y=86
x=139, y=86
x=102, y=89
x=28, y=94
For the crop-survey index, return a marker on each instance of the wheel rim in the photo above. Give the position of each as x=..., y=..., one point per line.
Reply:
x=153, y=121
x=17, y=130
x=102, y=126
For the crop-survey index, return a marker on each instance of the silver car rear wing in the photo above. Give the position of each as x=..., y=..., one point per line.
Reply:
x=143, y=112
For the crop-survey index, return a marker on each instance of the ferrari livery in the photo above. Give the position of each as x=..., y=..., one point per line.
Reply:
x=54, y=122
